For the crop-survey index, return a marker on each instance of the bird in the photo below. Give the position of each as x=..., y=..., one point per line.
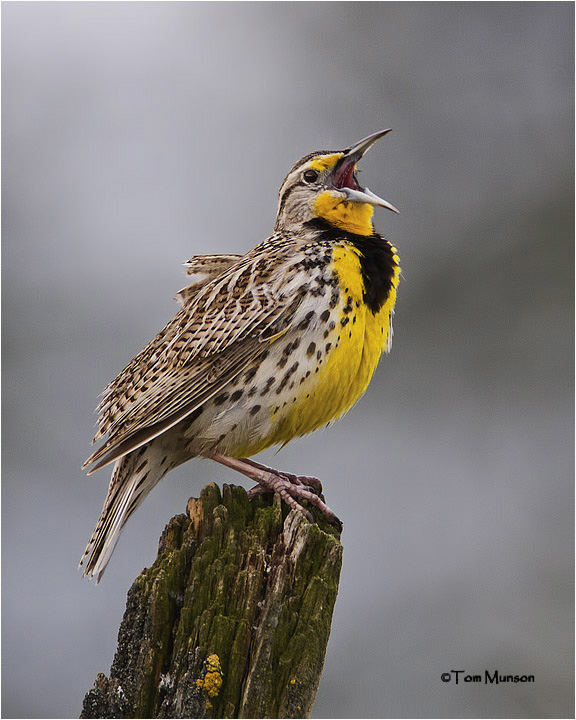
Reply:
x=266, y=347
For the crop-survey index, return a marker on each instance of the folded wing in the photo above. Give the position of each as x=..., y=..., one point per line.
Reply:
x=225, y=326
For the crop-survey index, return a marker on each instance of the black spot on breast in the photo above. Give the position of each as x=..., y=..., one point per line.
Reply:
x=348, y=307
x=311, y=349
x=269, y=383
x=219, y=399
x=255, y=409
x=236, y=395
x=286, y=378
x=250, y=374
x=325, y=315
x=303, y=325
x=289, y=349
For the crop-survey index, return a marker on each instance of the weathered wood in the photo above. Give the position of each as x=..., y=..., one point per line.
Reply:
x=233, y=618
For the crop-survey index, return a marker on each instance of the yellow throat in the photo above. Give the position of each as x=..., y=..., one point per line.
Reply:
x=351, y=216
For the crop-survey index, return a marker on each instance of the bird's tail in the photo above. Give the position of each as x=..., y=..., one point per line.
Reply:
x=133, y=478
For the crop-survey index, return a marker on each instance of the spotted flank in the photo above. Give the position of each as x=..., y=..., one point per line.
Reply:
x=266, y=347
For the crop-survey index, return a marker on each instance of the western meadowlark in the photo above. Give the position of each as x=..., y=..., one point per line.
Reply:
x=266, y=347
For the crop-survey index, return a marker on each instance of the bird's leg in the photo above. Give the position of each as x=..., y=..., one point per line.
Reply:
x=291, y=492
x=312, y=482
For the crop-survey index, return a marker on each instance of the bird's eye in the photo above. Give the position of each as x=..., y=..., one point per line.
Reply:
x=310, y=176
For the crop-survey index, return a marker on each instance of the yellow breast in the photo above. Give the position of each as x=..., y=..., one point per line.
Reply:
x=358, y=341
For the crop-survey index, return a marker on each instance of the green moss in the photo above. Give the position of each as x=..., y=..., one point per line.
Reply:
x=226, y=585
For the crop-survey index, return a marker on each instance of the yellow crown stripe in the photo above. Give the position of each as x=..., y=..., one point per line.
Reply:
x=325, y=162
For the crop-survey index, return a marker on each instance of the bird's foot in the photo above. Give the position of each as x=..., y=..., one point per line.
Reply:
x=291, y=488
x=308, y=480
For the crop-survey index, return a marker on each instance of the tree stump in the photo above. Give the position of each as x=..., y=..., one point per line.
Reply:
x=233, y=618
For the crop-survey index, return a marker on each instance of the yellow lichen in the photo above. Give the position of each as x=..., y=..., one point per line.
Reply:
x=213, y=663
x=211, y=682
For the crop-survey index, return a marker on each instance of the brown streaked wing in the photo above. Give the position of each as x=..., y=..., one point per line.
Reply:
x=206, y=268
x=211, y=265
x=172, y=347
x=173, y=400
x=225, y=328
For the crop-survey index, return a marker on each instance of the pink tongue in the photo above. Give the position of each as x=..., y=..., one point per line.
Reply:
x=345, y=177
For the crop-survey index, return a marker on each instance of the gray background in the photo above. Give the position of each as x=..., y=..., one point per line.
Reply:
x=136, y=135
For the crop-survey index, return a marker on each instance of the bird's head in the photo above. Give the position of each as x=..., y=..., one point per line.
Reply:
x=324, y=185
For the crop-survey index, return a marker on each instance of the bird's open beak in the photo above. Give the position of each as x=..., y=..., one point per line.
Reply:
x=344, y=175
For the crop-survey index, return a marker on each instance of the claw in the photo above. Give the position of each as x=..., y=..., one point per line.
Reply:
x=291, y=488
